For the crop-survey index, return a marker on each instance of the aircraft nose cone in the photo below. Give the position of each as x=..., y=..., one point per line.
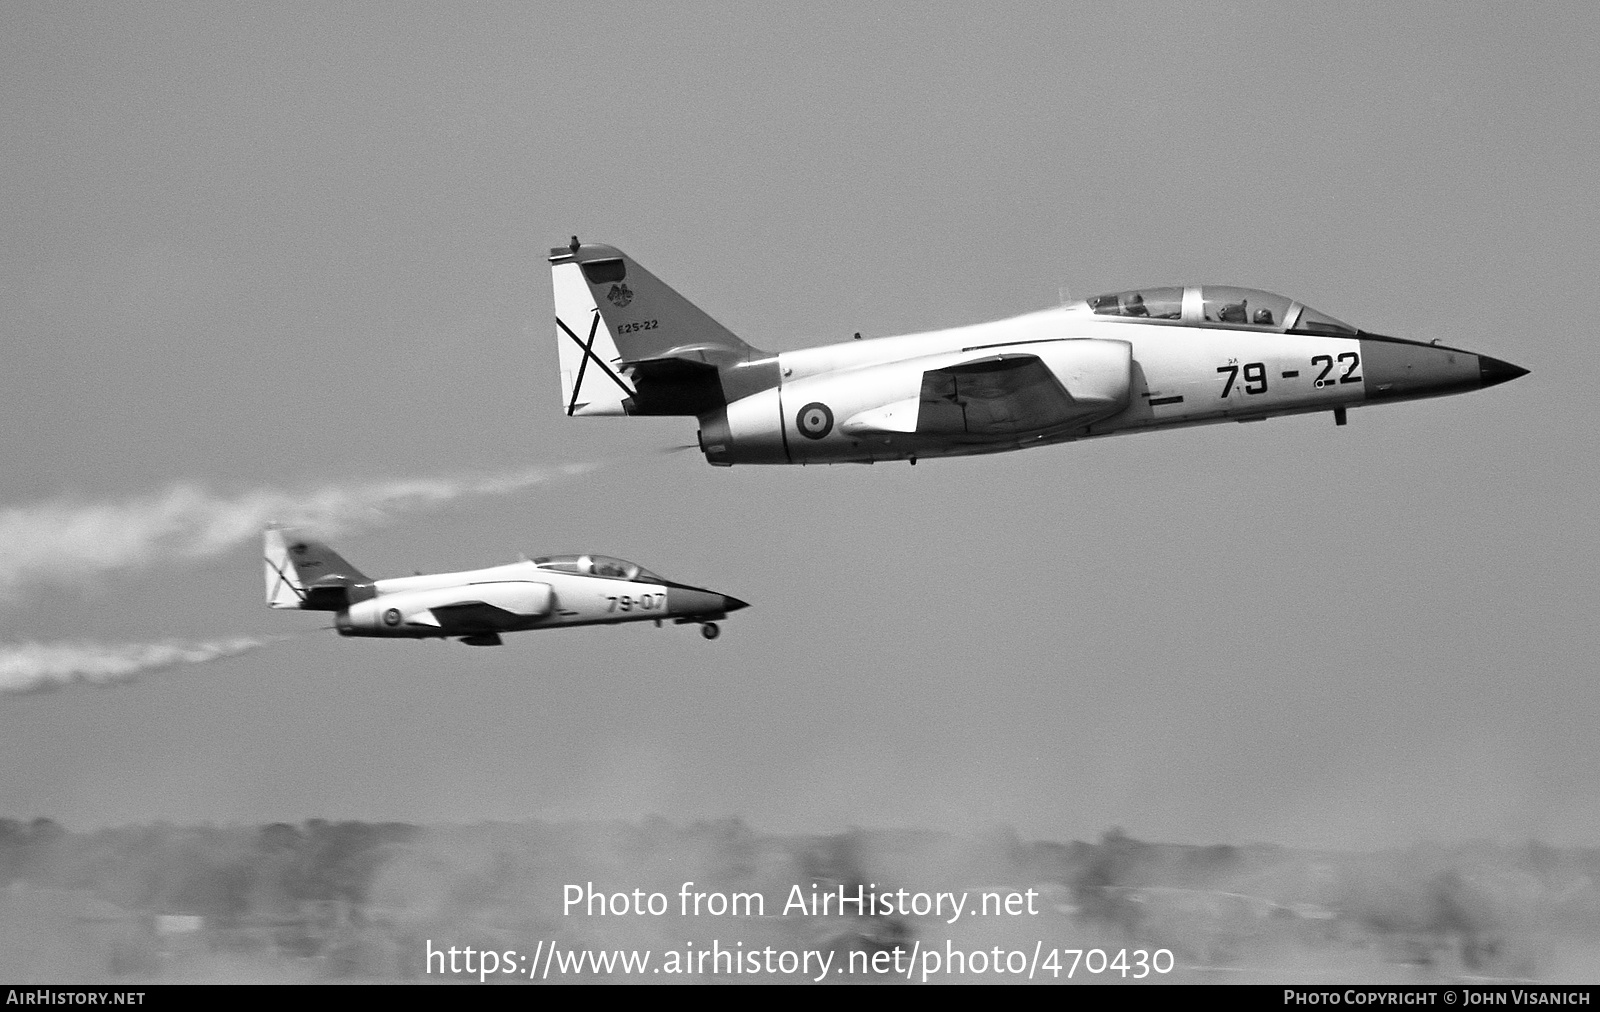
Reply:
x=692, y=601
x=1495, y=371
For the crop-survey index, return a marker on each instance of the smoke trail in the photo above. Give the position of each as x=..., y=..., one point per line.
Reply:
x=65, y=540
x=36, y=667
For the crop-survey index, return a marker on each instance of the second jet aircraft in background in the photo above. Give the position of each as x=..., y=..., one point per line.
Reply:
x=477, y=605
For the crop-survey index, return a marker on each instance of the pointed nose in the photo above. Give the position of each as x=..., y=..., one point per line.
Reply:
x=693, y=601
x=1494, y=371
x=1395, y=369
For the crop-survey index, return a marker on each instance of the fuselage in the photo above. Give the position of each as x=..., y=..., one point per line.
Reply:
x=1133, y=361
x=1174, y=373
x=519, y=596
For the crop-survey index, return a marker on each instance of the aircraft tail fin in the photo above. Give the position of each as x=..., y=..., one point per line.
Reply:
x=305, y=573
x=629, y=344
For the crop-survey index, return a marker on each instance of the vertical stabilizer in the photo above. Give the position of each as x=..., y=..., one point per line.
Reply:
x=630, y=345
x=304, y=573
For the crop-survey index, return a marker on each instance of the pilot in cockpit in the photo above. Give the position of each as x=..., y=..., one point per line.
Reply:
x=1133, y=305
x=1264, y=317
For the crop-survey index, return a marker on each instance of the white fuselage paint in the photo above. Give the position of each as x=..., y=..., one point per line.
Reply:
x=1170, y=360
x=573, y=599
x=1133, y=361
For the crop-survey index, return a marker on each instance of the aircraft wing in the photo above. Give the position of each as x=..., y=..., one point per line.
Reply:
x=466, y=617
x=998, y=394
x=472, y=608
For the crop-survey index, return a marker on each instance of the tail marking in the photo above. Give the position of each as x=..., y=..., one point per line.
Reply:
x=589, y=356
x=276, y=587
x=284, y=588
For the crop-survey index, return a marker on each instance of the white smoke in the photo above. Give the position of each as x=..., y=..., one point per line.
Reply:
x=33, y=667
x=69, y=540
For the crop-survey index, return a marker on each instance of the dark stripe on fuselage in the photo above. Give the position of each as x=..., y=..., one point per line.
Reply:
x=1393, y=368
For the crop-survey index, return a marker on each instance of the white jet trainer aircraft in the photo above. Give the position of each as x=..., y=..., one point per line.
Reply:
x=1127, y=362
x=479, y=604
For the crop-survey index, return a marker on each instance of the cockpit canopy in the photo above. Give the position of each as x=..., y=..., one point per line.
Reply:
x=598, y=565
x=1216, y=305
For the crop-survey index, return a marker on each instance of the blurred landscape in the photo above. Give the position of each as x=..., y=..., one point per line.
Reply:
x=353, y=901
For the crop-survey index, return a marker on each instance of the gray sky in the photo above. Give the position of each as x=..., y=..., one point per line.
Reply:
x=295, y=246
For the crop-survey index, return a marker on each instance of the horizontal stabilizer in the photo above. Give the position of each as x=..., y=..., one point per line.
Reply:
x=675, y=384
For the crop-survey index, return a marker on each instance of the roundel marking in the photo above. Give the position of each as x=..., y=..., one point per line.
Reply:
x=391, y=617
x=814, y=421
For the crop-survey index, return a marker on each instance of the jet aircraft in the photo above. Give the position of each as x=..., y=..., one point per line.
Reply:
x=1133, y=361
x=478, y=605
